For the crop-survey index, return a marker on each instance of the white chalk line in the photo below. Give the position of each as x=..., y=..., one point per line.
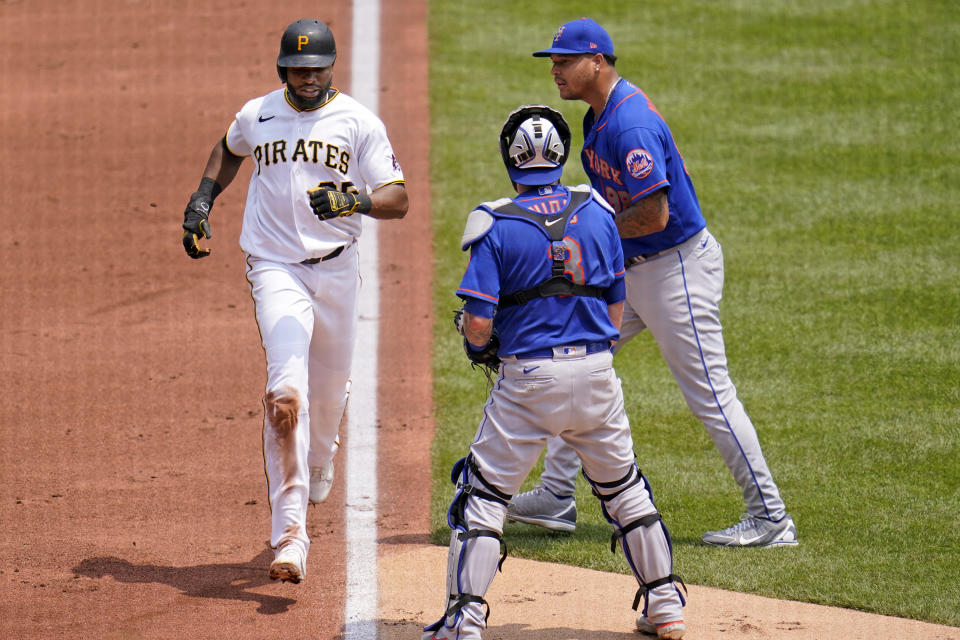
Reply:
x=360, y=609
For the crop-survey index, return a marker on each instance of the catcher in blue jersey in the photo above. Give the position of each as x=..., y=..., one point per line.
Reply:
x=674, y=282
x=543, y=297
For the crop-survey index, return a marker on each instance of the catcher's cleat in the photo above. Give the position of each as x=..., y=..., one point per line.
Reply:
x=667, y=631
x=752, y=531
x=543, y=508
x=288, y=565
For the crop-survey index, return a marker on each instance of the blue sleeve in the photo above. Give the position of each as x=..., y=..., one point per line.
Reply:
x=642, y=160
x=617, y=292
x=479, y=308
x=481, y=281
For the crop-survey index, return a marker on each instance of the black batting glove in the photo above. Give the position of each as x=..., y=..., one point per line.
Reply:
x=196, y=216
x=330, y=203
x=196, y=224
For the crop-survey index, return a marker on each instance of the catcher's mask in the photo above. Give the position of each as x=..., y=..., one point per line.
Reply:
x=306, y=43
x=534, y=144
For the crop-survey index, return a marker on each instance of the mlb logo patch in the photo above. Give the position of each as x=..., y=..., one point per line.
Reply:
x=639, y=163
x=570, y=352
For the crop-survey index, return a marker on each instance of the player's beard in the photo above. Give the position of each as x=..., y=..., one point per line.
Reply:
x=309, y=103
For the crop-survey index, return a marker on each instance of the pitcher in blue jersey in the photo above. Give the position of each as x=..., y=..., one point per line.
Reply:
x=674, y=282
x=545, y=281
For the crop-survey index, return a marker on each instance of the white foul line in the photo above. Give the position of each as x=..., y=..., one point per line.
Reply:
x=360, y=610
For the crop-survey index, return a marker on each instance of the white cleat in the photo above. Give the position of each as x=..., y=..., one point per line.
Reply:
x=288, y=565
x=667, y=631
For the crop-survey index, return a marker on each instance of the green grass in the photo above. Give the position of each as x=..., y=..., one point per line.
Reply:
x=822, y=138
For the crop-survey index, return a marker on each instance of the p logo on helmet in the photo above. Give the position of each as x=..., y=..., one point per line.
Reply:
x=306, y=43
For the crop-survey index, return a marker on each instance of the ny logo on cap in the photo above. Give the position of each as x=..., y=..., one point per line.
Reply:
x=559, y=33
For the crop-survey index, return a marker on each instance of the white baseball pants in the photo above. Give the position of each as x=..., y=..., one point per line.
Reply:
x=307, y=316
x=577, y=398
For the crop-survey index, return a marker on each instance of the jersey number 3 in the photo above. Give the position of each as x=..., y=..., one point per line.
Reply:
x=568, y=251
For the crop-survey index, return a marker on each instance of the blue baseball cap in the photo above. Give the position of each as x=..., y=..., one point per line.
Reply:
x=579, y=36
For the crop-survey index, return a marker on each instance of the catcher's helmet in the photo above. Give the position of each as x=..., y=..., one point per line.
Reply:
x=534, y=144
x=306, y=43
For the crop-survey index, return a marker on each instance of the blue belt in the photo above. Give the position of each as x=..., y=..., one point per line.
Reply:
x=592, y=347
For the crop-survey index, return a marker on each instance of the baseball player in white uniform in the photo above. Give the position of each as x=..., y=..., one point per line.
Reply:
x=321, y=159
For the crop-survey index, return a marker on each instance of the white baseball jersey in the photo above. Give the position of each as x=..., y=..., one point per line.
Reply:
x=340, y=144
x=306, y=313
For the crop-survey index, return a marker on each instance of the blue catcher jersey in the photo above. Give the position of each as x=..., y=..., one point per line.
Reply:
x=515, y=255
x=629, y=153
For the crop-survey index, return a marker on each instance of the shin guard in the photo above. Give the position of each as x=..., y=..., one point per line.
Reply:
x=475, y=518
x=628, y=506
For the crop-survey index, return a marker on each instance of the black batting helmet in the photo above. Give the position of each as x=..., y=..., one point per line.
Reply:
x=306, y=43
x=535, y=144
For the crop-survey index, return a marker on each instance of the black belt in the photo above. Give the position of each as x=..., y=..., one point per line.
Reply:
x=592, y=347
x=643, y=257
x=330, y=256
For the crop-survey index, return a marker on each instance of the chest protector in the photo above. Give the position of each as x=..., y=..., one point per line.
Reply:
x=554, y=226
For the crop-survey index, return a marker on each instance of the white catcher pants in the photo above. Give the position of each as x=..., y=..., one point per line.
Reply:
x=307, y=316
x=677, y=296
x=577, y=399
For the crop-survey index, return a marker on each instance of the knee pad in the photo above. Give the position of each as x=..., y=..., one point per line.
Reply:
x=609, y=492
x=470, y=482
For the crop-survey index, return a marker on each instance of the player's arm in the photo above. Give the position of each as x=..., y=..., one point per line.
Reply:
x=480, y=341
x=389, y=202
x=222, y=166
x=476, y=329
x=479, y=289
x=616, y=293
x=615, y=311
x=221, y=169
x=647, y=215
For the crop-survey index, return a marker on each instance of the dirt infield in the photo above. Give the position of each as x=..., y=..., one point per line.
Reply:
x=132, y=498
